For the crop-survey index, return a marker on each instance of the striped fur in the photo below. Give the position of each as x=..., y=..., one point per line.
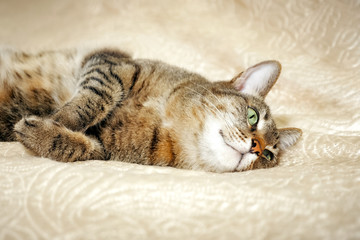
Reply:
x=79, y=105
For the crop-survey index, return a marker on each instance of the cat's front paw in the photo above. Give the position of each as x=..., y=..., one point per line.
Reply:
x=48, y=138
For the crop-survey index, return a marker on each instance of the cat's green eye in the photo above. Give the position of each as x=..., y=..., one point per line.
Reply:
x=268, y=155
x=252, y=116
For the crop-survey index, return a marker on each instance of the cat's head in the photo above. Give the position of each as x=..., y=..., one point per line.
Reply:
x=226, y=126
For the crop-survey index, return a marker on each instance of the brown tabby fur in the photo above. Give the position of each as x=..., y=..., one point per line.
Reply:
x=76, y=105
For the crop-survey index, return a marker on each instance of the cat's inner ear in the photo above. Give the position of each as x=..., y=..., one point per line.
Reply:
x=288, y=137
x=258, y=79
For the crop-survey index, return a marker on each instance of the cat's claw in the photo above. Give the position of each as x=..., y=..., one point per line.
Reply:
x=26, y=126
x=36, y=133
x=28, y=131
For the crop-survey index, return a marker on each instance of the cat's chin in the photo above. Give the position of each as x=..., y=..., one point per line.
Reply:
x=243, y=161
x=238, y=165
x=246, y=162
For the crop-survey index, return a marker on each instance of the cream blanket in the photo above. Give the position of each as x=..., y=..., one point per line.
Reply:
x=313, y=194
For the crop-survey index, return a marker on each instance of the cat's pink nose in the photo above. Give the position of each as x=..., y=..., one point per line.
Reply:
x=257, y=146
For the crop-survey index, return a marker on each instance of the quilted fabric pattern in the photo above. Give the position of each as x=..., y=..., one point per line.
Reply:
x=313, y=194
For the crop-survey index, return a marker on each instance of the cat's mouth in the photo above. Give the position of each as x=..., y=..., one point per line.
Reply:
x=238, y=165
x=228, y=144
x=241, y=155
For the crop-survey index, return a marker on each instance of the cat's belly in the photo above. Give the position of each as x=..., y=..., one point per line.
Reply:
x=128, y=133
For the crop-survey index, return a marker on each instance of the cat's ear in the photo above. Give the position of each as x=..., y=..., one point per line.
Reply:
x=288, y=137
x=258, y=79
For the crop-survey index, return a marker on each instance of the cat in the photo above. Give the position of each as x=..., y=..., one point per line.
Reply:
x=102, y=104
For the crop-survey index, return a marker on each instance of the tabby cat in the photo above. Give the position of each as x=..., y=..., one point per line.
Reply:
x=77, y=105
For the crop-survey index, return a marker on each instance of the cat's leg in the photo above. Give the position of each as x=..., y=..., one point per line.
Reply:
x=48, y=138
x=105, y=81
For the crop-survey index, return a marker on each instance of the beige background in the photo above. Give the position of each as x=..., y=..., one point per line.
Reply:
x=313, y=194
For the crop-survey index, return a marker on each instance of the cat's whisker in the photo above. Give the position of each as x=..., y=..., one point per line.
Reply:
x=219, y=101
x=231, y=129
x=218, y=113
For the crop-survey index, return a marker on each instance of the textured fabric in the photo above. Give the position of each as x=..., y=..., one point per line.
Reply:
x=313, y=194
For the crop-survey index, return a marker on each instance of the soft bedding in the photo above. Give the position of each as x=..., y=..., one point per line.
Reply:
x=314, y=192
